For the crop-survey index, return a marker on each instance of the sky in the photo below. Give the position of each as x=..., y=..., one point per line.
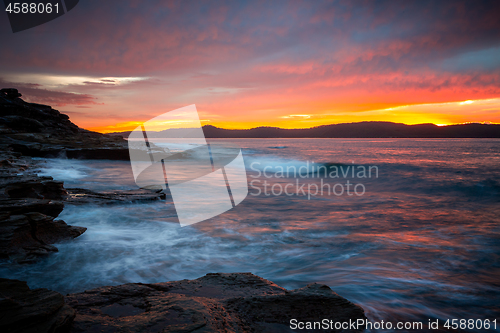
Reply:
x=111, y=65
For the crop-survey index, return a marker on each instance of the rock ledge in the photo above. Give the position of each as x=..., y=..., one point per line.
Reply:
x=216, y=302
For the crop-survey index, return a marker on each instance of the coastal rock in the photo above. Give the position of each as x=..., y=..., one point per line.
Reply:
x=60, y=150
x=29, y=203
x=25, y=310
x=217, y=302
x=26, y=237
x=28, y=206
x=18, y=187
x=80, y=196
x=39, y=131
x=10, y=93
x=21, y=206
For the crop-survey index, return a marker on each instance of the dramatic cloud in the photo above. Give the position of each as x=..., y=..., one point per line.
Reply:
x=250, y=63
x=33, y=93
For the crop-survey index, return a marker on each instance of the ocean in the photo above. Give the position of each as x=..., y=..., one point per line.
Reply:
x=417, y=239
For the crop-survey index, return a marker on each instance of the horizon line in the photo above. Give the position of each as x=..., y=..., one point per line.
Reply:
x=313, y=127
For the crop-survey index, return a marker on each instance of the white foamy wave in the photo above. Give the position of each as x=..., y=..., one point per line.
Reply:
x=62, y=169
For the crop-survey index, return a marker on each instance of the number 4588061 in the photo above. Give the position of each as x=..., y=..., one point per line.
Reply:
x=472, y=324
x=33, y=8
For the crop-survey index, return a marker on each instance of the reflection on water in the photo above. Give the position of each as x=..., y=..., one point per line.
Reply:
x=422, y=242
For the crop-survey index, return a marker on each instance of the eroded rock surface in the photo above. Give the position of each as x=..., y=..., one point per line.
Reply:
x=28, y=203
x=81, y=196
x=28, y=207
x=220, y=302
x=216, y=302
x=39, y=131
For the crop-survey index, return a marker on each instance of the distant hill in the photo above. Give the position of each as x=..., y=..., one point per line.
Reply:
x=368, y=129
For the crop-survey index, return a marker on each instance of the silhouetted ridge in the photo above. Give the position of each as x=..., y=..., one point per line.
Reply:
x=372, y=129
x=367, y=129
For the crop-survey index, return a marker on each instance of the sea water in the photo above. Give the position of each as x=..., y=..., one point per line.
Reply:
x=422, y=241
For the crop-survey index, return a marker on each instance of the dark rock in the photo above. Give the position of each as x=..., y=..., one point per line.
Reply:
x=26, y=237
x=20, y=206
x=221, y=302
x=309, y=304
x=28, y=206
x=21, y=123
x=79, y=196
x=25, y=310
x=38, y=188
x=38, y=130
x=217, y=302
x=220, y=285
x=49, y=231
x=10, y=93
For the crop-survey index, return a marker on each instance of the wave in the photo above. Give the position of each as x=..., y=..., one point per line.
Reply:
x=62, y=169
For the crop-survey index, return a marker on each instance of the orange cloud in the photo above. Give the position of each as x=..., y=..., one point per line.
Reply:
x=254, y=64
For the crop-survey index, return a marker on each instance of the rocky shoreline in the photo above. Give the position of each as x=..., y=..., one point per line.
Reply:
x=216, y=302
x=29, y=207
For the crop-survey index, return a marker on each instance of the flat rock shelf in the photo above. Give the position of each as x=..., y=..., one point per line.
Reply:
x=216, y=302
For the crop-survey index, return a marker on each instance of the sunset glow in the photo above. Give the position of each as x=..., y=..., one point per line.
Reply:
x=297, y=65
x=250, y=166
